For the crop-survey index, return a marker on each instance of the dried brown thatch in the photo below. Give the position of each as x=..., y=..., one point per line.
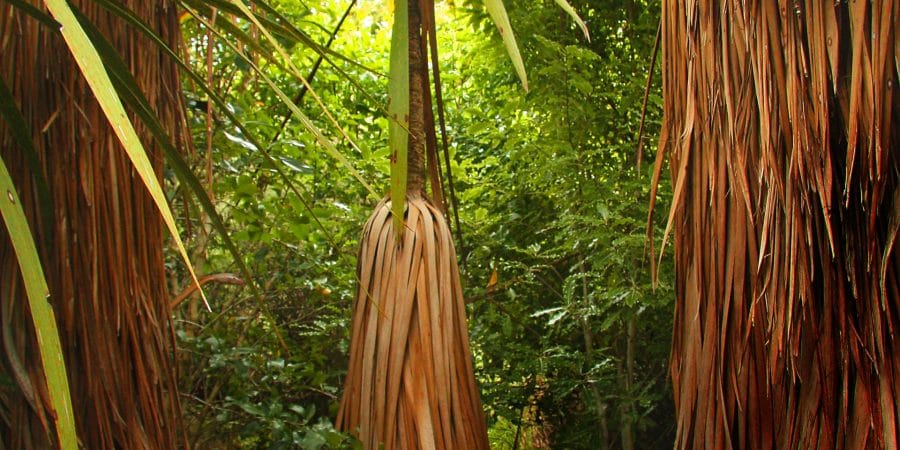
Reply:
x=410, y=382
x=102, y=247
x=782, y=125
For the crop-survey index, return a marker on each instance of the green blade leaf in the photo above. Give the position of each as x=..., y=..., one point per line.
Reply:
x=280, y=26
x=95, y=74
x=228, y=6
x=34, y=12
x=498, y=14
x=571, y=11
x=296, y=72
x=398, y=111
x=224, y=109
x=284, y=28
x=41, y=313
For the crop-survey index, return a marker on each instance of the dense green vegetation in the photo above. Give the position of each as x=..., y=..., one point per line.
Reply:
x=570, y=337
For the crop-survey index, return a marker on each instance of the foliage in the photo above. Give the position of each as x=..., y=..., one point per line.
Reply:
x=57, y=385
x=95, y=74
x=297, y=233
x=557, y=211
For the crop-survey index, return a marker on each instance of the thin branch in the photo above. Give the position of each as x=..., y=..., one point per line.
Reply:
x=640, y=144
x=315, y=68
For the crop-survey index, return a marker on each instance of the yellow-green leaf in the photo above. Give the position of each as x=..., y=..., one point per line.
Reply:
x=41, y=313
x=571, y=11
x=498, y=14
x=295, y=110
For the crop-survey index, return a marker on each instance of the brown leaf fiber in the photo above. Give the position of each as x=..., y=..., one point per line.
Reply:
x=102, y=246
x=410, y=382
x=782, y=127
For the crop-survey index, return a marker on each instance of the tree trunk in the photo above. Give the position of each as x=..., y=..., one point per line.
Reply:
x=416, y=145
x=782, y=124
x=627, y=407
x=102, y=247
x=588, y=335
x=599, y=404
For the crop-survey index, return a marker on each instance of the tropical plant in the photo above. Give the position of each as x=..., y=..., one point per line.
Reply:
x=106, y=78
x=35, y=286
x=565, y=321
x=781, y=127
x=410, y=382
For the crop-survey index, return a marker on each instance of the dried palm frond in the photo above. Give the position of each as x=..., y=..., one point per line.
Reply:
x=102, y=244
x=410, y=382
x=782, y=125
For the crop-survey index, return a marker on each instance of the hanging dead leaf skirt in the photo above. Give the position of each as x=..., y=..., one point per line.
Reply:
x=410, y=383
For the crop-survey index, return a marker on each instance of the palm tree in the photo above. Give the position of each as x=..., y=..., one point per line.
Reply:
x=782, y=126
x=410, y=382
x=101, y=243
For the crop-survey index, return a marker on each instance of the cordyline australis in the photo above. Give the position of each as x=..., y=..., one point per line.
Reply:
x=410, y=382
x=782, y=125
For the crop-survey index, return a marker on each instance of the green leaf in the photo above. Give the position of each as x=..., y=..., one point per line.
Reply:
x=547, y=311
x=282, y=25
x=498, y=14
x=95, y=74
x=283, y=30
x=41, y=313
x=556, y=317
x=398, y=111
x=295, y=165
x=132, y=95
x=34, y=12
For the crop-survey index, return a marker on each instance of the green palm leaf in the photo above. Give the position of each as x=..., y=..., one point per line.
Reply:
x=18, y=128
x=323, y=140
x=41, y=313
x=219, y=102
x=571, y=12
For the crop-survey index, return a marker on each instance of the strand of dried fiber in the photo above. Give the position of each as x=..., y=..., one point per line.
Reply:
x=782, y=125
x=410, y=383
